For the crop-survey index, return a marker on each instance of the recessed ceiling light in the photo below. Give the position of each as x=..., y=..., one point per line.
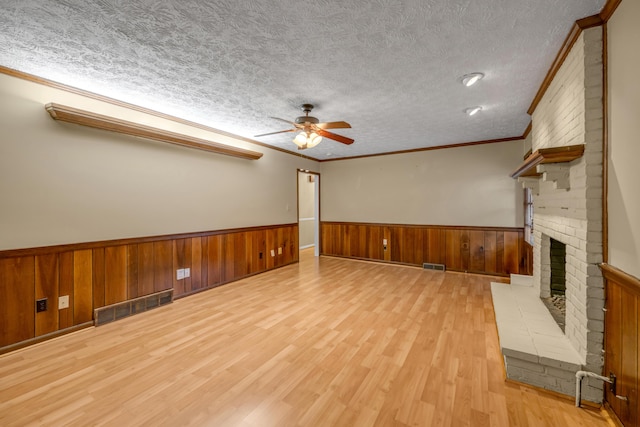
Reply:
x=473, y=110
x=471, y=79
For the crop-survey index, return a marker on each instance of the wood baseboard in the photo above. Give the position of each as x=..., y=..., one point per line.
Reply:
x=43, y=338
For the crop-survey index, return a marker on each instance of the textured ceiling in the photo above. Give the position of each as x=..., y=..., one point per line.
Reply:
x=390, y=68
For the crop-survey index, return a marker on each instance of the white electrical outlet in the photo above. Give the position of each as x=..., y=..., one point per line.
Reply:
x=273, y=253
x=63, y=302
x=279, y=251
x=187, y=272
x=384, y=241
x=180, y=274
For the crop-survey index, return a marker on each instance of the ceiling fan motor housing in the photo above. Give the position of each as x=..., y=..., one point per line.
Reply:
x=307, y=119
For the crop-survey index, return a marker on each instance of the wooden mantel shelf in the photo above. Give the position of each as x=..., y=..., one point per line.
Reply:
x=545, y=156
x=86, y=118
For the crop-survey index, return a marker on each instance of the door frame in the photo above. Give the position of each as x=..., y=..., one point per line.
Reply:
x=316, y=206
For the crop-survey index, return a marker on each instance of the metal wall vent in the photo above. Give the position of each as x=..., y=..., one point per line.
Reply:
x=430, y=266
x=128, y=308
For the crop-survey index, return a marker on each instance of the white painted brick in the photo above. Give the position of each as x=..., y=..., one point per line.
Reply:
x=595, y=325
x=595, y=314
x=594, y=282
x=571, y=113
x=523, y=364
x=594, y=362
x=593, y=292
x=561, y=374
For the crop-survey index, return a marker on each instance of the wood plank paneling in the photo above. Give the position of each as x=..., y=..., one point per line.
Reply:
x=294, y=233
x=196, y=263
x=394, y=243
x=500, y=252
x=215, y=260
x=527, y=253
x=416, y=249
x=465, y=253
x=271, y=239
x=115, y=274
x=46, y=286
x=362, y=242
x=98, y=278
x=435, y=246
x=453, y=244
x=477, y=250
x=613, y=338
x=146, y=269
x=622, y=342
x=260, y=244
x=163, y=265
x=239, y=255
x=490, y=250
x=132, y=272
x=17, y=299
x=65, y=315
x=178, y=257
x=279, y=244
x=628, y=375
x=204, y=274
x=373, y=243
x=386, y=235
x=228, y=245
x=249, y=252
x=490, y=238
x=186, y=264
x=82, y=286
x=93, y=277
x=511, y=252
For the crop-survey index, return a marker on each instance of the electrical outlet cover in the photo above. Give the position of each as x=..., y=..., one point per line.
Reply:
x=273, y=253
x=187, y=272
x=63, y=302
x=279, y=251
x=180, y=274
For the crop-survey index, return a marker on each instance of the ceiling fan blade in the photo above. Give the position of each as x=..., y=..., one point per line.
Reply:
x=286, y=121
x=273, y=133
x=334, y=125
x=335, y=137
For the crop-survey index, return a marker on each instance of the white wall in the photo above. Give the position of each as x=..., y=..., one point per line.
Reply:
x=456, y=186
x=624, y=138
x=62, y=183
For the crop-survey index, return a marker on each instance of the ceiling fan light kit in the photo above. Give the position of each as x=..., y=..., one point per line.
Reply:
x=307, y=140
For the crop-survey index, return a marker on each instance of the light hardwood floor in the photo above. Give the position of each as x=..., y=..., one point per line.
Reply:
x=324, y=342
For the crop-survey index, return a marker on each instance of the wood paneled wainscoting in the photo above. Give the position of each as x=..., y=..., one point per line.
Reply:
x=99, y=274
x=487, y=250
x=622, y=341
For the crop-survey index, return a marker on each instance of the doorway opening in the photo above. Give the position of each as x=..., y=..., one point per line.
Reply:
x=309, y=210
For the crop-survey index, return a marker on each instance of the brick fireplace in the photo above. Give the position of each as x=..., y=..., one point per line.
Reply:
x=567, y=200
